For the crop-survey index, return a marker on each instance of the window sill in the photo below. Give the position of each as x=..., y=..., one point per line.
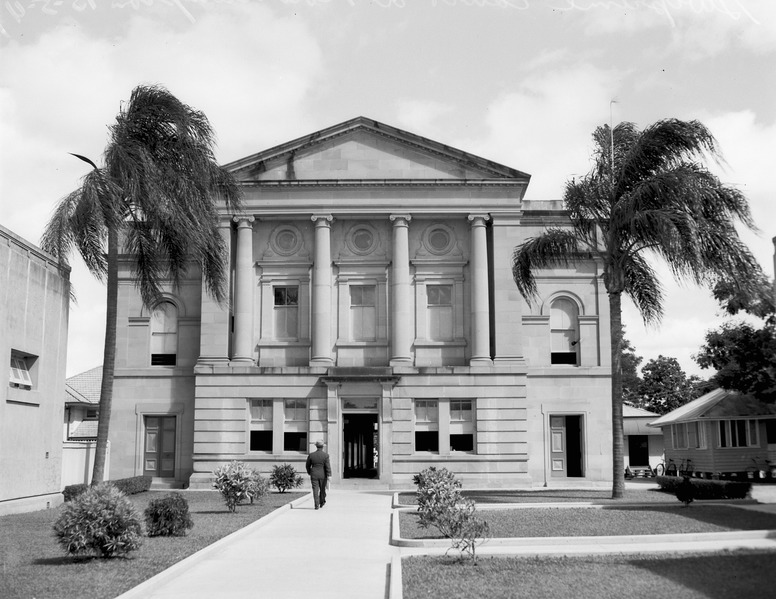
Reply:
x=375, y=343
x=284, y=343
x=18, y=395
x=431, y=343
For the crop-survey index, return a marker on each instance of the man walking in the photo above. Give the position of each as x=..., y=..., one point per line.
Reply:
x=319, y=469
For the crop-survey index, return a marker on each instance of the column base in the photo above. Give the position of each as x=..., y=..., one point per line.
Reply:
x=242, y=362
x=481, y=362
x=321, y=362
x=400, y=362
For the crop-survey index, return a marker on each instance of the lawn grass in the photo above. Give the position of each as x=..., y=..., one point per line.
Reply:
x=741, y=573
x=33, y=565
x=576, y=522
x=598, y=496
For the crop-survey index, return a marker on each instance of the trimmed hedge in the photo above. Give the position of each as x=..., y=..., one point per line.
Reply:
x=707, y=489
x=128, y=486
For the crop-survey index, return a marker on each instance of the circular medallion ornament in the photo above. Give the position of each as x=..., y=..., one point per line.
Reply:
x=362, y=240
x=286, y=240
x=438, y=239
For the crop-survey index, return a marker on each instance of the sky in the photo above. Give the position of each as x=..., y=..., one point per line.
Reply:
x=520, y=82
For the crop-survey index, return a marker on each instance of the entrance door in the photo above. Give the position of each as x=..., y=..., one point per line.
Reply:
x=638, y=450
x=566, y=446
x=159, y=451
x=360, y=440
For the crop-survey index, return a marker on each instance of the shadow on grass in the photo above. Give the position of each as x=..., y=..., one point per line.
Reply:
x=718, y=576
x=718, y=515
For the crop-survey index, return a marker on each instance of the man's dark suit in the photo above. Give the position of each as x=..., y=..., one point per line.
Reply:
x=319, y=469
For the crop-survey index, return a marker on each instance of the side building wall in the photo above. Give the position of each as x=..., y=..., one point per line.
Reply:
x=34, y=304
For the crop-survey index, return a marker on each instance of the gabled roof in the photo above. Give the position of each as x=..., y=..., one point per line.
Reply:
x=629, y=411
x=716, y=405
x=84, y=388
x=472, y=167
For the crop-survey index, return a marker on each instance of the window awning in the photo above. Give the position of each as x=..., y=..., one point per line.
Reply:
x=638, y=426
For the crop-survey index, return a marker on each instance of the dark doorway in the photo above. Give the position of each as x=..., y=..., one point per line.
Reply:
x=566, y=452
x=360, y=443
x=159, y=451
x=638, y=450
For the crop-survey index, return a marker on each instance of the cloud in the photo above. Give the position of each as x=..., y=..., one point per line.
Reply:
x=544, y=127
x=247, y=69
x=420, y=116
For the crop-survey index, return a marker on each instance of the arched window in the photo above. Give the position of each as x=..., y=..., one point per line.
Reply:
x=564, y=331
x=164, y=334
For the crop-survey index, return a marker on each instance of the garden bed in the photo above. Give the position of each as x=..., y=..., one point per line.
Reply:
x=732, y=574
x=34, y=565
x=605, y=521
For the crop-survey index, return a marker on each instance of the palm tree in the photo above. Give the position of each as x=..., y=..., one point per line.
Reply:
x=156, y=197
x=648, y=194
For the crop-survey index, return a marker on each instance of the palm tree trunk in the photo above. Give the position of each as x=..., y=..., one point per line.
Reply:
x=618, y=467
x=108, y=360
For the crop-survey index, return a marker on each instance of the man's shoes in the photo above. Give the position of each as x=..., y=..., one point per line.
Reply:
x=324, y=503
x=316, y=507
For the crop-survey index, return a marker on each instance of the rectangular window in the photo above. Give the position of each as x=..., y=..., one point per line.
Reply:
x=363, y=312
x=461, y=425
x=679, y=434
x=440, y=312
x=426, y=425
x=164, y=335
x=260, y=438
x=738, y=433
x=295, y=425
x=286, y=312
x=20, y=372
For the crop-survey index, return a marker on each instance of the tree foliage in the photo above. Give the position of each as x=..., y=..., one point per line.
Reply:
x=648, y=195
x=665, y=386
x=156, y=195
x=744, y=353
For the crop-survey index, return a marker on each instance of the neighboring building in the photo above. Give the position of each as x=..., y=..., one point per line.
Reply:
x=373, y=308
x=722, y=433
x=34, y=303
x=643, y=445
x=82, y=401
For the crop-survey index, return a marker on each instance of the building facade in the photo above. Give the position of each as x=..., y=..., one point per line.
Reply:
x=34, y=304
x=373, y=308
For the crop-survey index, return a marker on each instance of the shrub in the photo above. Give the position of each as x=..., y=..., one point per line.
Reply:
x=168, y=516
x=72, y=491
x=133, y=485
x=285, y=477
x=101, y=521
x=440, y=504
x=258, y=486
x=707, y=489
x=128, y=486
x=237, y=483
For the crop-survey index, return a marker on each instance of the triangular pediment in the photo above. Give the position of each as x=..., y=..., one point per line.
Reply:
x=363, y=149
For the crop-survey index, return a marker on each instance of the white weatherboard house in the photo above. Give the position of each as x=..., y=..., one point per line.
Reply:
x=373, y=308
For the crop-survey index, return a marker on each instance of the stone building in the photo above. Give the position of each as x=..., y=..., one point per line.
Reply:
x=34, y=304
x=372, y=307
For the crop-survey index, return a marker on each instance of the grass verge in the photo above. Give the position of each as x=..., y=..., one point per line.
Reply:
x=32, y=564
x=718, y=576
x=604, y=497
x=581, y=522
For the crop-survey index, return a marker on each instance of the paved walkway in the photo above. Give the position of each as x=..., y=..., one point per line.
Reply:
x=344, y=551
x=340, y=551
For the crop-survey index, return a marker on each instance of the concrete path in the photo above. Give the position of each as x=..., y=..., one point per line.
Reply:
x=339, y=551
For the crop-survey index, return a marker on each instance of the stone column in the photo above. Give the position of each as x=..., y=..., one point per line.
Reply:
x=478, y=270
x=243, y=292
x=321, y=326
x=401, y=316
x=214, y=327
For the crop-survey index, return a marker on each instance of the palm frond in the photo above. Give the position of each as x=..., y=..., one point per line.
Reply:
x=555, y=247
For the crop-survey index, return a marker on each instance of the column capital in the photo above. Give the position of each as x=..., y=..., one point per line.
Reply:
x=322, y=219
x=243, y=220
x=474, y=218
x=397, y=219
